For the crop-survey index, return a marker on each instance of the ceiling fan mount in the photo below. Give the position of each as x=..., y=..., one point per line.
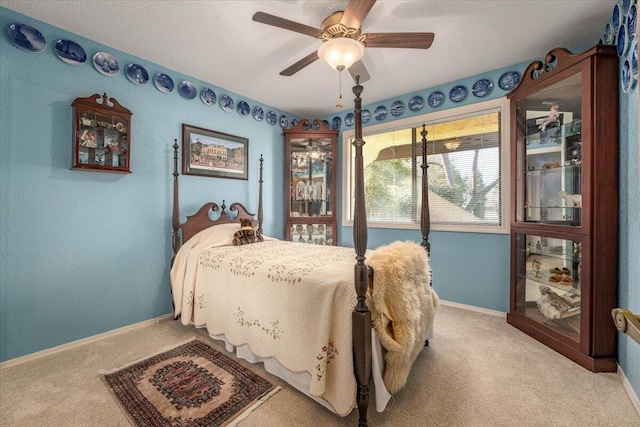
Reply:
x=346, y=24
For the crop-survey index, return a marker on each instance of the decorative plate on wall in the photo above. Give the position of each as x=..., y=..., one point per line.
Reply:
x=27, y=38
x=622, y=41
x=366, y=116
x=397, y=108
x=615, y=19
x=634, y=62
x=284, y=122
x=208, y=96
x=272, y=118
x=416, y=103
x=106, y=64
x=163, y=82
x=137, y=74
x=625, y=76
x=294, y=123
x=607, y=36
x=336, y=122
x=436, y=99
x=380, y=113
x=70, y=52
x=349, y=119
x=632, y=22
x=458, y=93
x=187, y=90
x=482, y=88
x=509, y=80
x=243, y=108
x=258, y=113
x=226, y=103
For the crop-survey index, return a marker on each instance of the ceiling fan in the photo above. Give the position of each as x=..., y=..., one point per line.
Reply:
x=341, y=34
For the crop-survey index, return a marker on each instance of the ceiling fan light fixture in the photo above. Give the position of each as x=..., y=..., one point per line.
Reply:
x=341, y=52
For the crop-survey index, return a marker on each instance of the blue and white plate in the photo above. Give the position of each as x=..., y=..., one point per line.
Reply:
x=208, y=96
x=625, y=6
x=243, y=108
x=294, y=123
x=625, y=76
x=509, y=80
x=458, y=93
x=226, y=103
x=187, y=90
x=634, y=63
x=27, y=38
x=70, y=52
x=106, y=64
x=336, y=122
x=349, y=119
x=397, y=108
x=258, y=113
x=366, y=116
x=416, y=103
x=380, y=113
x=616, y=19
x=622, y=41
x=284, y=122
x=163, y=82
x=137, y=74
x=272, y=118
x=436, y=99
x=632, y=22
x=482, y=88
x=608, y=34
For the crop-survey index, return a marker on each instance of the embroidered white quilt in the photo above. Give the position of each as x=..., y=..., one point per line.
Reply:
x=289, y=301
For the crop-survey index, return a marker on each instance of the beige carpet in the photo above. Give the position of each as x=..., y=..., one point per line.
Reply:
x=478, y=371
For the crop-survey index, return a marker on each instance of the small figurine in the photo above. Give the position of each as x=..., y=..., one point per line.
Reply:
x=573, y=199
x=535, y=266
x=552, y=117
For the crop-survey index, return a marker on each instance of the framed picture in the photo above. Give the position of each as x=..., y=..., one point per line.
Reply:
x=209, y=153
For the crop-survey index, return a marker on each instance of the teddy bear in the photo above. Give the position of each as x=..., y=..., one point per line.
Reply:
x=247, y=233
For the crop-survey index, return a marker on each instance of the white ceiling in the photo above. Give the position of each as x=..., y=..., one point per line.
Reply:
x=217, y=42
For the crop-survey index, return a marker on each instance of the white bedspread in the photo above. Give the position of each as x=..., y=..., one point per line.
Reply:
x=289, y=301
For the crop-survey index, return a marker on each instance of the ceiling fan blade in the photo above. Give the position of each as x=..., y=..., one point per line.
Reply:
x=404, y=40
x=355, y=12
x=300, y=64
x=358, y=69
x=276, y=21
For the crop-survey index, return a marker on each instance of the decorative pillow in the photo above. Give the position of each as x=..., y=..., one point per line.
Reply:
x=247, y=234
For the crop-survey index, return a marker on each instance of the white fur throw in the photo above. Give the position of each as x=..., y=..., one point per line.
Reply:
x=402, y=306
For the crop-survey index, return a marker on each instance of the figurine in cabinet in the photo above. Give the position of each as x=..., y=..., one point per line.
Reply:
x=573, y=199
x=554, y=114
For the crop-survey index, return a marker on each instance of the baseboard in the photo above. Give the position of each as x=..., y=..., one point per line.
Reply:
x=473, y=308
x=627, y=386
x=72, y=344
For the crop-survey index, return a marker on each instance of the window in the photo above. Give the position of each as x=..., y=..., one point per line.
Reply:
x=467, y=168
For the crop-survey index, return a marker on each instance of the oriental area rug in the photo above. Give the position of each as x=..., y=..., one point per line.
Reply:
x=190, y=385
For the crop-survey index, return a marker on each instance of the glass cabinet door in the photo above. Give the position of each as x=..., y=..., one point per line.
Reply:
x=311, y=178
x=548, y=288
x=549, y=154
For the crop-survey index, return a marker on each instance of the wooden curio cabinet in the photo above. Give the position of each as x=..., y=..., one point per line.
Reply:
x=101, y=135
x=310, y=184
x=564, y=220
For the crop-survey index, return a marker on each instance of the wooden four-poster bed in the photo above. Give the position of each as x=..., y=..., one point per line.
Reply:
x=203, y=252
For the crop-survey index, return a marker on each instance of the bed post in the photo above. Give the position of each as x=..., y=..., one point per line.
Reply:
x=425, y=219
x=175, y=215
x=361, y=317
x=260, y=197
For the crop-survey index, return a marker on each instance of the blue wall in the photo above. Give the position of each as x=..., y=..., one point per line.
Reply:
x=86, y=252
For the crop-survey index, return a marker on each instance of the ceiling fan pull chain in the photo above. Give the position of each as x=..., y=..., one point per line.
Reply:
x=340, y=69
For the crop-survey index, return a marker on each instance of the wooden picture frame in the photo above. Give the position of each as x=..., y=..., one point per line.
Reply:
x=214, y=154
